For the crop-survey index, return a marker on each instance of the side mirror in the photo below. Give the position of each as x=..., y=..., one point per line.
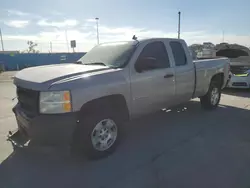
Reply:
x=146, y=63
x=78, y=62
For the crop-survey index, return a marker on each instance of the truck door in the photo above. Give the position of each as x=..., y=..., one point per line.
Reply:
x=153, y=86
x=184, y=72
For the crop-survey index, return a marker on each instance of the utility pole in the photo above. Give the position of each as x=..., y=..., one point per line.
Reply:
x=66, y=37
x=1, y=39
x=97, y=29
x=50, y=46
x=179, y=24
x=223, y=35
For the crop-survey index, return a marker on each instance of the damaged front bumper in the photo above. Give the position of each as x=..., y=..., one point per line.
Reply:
x=18, y=139
x=43, y=130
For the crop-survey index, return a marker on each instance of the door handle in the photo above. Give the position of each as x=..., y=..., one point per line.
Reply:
x=168, y=76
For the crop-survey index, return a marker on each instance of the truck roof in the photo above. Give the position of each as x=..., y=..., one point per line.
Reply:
x=149, y=39
x=141, y=40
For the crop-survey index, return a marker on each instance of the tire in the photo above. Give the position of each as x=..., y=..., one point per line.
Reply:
x=211, y=100
x=86, y=132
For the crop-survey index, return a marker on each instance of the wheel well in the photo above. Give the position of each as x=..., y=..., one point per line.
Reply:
x=218, y=78
x=116, y=102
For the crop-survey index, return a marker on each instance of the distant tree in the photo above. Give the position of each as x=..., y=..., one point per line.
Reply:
x=196, y=47
x=31, y=47
x=199, y=47
x=209, y=45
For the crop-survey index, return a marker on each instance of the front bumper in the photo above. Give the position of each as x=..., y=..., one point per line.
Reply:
x=238, y=87
x=239, y=82
x=51, y=130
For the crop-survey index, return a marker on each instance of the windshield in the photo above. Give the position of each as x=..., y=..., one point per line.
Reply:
x=113, y=55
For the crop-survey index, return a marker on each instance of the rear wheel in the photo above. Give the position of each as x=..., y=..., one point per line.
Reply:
x=211, y=100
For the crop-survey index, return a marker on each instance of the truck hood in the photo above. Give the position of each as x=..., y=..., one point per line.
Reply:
x=44, y=76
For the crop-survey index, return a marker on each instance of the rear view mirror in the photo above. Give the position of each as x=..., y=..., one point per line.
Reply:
x=146, y=63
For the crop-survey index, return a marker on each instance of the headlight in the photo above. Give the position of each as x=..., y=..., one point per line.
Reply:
x=53, y=102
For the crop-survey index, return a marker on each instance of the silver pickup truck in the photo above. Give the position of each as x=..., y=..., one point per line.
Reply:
x=83, y=105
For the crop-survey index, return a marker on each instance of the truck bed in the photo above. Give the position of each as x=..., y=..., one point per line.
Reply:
x=204, y=68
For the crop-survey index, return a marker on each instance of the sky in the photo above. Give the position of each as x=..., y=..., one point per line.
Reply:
x=52, y=23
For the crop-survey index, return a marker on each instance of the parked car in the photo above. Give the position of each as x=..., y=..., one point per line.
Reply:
x=84, y=105
x=240, y=81
x=240, y=74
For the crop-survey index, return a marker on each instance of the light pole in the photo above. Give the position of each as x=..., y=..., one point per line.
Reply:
x=50, y=44
x=223, y=35
x=97, y=29
x=1, y=39
x=66, y=38
x=179, y=24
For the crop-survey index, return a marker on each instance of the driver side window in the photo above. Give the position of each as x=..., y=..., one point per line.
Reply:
x=153, y=56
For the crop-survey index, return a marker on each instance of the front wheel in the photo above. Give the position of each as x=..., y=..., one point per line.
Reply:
x=211, y=100
x=99, y=135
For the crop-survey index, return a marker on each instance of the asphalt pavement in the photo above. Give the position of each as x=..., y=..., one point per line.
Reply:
x=184, y=147
x=7, y=76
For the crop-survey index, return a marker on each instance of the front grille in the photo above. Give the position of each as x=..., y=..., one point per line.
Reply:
x=239, y=69
x=239, y=84
x=28, y=100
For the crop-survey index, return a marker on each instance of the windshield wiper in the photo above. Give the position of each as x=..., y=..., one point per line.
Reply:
x=96, y=63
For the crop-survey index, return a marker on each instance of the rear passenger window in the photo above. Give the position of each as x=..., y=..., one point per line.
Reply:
x=178, y=53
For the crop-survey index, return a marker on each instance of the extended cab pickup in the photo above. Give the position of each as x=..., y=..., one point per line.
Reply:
x=84, y=105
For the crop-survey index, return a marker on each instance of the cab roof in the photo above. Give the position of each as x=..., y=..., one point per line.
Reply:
x=135, y=42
